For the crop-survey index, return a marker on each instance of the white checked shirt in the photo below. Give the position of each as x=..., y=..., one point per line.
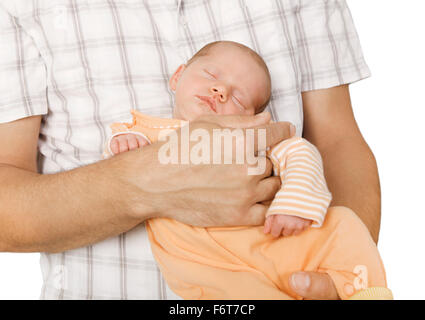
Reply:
x=83, y=64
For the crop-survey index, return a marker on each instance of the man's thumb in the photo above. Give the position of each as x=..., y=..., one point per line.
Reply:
x=313, y=285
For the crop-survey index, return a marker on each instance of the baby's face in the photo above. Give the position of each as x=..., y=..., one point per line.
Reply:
x=226, y=81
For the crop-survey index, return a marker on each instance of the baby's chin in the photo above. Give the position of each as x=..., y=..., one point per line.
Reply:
x=184, y=117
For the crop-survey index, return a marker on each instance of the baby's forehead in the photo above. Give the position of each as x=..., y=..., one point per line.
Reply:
x=244, y=59
x=221, y=48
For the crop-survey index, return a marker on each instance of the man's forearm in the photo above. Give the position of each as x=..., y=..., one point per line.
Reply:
x=57, y=212
x=350, y=167
x=352, y=177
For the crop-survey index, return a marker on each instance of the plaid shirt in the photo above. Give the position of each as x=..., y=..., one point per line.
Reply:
x=83, y=64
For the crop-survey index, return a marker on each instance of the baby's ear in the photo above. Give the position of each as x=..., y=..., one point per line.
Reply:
x=176, y=76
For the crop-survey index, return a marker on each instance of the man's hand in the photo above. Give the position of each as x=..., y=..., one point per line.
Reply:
x=313, y=286
x=350, y=167
x=205, y=194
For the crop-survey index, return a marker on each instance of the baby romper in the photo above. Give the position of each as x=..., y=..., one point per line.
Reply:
x=244, y=263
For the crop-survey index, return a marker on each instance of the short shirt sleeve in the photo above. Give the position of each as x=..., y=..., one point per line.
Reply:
x=329, y=48
x=22, y=72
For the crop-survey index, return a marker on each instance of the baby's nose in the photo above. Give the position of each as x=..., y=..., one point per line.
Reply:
x=220, y=92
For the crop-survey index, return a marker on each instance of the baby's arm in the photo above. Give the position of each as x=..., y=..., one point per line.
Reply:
x=304, y=198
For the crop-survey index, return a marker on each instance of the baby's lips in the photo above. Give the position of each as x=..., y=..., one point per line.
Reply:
x=211, y=103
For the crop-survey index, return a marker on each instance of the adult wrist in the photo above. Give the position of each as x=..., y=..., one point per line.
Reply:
x=131, y=195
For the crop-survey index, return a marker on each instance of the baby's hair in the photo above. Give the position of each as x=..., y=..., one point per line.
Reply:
x=205, y=50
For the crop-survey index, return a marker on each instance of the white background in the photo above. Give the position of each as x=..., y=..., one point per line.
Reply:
x=389, y=108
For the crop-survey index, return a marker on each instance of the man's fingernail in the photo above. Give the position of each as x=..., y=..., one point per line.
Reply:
x=301, y=280
x=292, y=130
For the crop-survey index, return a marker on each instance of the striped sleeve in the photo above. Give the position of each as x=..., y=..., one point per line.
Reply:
x=22, y=72
x=304, y=192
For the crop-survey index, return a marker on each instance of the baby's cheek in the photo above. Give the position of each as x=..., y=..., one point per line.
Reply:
x=187, y=111
x=230, y=109
x=233, y=109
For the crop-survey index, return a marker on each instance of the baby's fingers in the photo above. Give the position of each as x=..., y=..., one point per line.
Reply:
x=268, y=224
x=300, y=228
x=132, y=141
x=119, y=144
x=288, y=231
x=297, y=231
x=115, y=147
x=123, y=143
x=306, y=224
x=277, y=229
x=142, y=141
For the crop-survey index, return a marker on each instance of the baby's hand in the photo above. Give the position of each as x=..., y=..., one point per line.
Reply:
x=286, y=225
x=126, y=142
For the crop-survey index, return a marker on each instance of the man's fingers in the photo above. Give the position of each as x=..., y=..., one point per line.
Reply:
x=263, y=134
x=238, y=121
x=278, y=131
x=313, y=285
x=267, y=203
x=268, y=135
x=255, y=215
x=264, y=172
x=267, y=188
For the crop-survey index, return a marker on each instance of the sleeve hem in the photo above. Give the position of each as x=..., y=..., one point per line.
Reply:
x=13, y=116
x=331, y=82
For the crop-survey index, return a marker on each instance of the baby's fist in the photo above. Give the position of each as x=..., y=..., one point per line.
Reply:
x=286, y=225
x=126, y=142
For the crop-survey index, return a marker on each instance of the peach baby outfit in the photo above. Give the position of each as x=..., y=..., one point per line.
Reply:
x=243, y=262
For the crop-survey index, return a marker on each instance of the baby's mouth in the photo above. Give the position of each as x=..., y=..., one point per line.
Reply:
x=209, y=101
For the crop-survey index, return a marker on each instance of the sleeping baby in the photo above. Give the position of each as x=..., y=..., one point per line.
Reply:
x=301, y=232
